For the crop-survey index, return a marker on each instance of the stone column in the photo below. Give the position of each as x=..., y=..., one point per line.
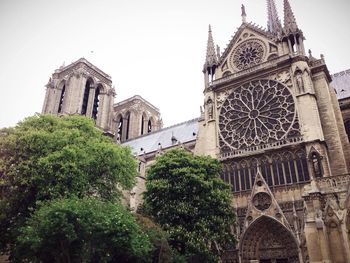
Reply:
x=90, y=105
x=329, y=125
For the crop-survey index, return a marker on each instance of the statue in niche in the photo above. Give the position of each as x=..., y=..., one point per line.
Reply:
x=316, y=165
x=300, y=82
x=210, y=108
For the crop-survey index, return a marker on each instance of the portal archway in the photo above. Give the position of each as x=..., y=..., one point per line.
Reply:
x=267, y=241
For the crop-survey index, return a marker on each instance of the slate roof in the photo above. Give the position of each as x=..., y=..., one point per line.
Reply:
x=183, y=133
x=341, y=83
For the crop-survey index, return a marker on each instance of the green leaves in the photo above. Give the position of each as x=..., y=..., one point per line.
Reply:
x=186, y=197
x=47, y=157
x=80, y=230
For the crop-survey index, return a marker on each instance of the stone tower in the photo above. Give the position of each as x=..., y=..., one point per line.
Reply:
x=274, y=122
x=81, y=88
x=135, y=117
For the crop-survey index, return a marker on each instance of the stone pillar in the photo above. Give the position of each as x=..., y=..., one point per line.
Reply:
x=329, y=125
x=90, y=105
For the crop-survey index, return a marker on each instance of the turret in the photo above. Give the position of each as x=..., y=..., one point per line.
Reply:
x=291, y=33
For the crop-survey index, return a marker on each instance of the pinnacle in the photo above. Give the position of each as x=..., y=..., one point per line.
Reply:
x=211, y=58
x=290, y=24
x=273, y=24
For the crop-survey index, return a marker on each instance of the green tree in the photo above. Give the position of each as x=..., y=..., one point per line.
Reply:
x=185, y=195
x=82, y=230
x=46, y=157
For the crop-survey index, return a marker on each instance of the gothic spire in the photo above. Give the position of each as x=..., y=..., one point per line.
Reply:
x=290, y=24
x=273, y=24
x=211, y=59
x=244, y=14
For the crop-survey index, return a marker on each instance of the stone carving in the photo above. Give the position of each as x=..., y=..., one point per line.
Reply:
x=247, y=54
x=259, y=112
x=210, y=108
x=300, y=82
x=262, y=201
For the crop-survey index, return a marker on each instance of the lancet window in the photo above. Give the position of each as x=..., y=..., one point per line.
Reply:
x=96, y=103
x=84, y=106
x=283, y=168
x=60, y=105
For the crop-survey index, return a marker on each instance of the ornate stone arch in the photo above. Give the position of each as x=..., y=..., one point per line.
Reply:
x=315, y=158
x=268, y=239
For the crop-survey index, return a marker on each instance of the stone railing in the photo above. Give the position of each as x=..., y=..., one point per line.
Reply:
x=247, y=151
x=336, y=181
x=270, y=63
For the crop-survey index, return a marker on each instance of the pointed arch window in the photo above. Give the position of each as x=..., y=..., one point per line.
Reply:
x=84, y=106
x=149, y=126
x=316, y=164
x=347, y=128
x=60, y=105
x=282, y=168
x=127, y=135
x=96, y=102
x=119, y=128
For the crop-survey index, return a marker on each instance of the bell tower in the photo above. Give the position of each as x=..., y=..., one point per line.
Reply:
x=81, y=88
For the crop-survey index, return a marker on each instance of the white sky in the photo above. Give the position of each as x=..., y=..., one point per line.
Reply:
x=153, y=48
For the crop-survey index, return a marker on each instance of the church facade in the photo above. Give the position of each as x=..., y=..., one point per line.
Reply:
x=274, y=117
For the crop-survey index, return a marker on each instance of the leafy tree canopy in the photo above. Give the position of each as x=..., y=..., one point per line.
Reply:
x=82, y=230
x=47, y=157
x=185, y=195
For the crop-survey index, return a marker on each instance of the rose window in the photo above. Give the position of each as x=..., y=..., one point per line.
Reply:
x=248, y=54
x=262, y=201
x=259, y=112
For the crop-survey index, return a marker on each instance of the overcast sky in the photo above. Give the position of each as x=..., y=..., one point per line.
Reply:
x=153, y=48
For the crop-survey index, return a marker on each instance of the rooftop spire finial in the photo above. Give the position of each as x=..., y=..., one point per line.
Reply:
x=244, y=15
x=211, y=58
x=273, y=23
x=290, y=24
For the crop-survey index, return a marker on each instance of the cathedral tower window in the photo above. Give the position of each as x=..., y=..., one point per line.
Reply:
x=127, y=135
x=316, y=164
x=84, y=106
x=96, y=102
x=150, y=125
x=347, y=128
x=119, y=128
x=60, y=105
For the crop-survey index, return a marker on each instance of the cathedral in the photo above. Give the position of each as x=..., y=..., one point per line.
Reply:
x=274, y=117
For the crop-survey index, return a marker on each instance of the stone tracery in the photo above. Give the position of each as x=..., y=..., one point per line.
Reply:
x=248, y=54
x=259, y=112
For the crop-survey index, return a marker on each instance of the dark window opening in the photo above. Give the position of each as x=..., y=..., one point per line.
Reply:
x=149, y=126
x=142, y=121
x=127, y=127
x=60, y=105
x=120, y=128
x=96, y=103
x=86, y=97
x=316, y=164
x=347, y=129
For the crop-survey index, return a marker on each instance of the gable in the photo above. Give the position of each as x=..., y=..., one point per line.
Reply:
x=249, y=46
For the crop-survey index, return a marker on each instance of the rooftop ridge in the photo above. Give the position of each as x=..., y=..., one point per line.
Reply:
x=233, y=39
x=161, y=130
x=135, y=97
x=88, y=63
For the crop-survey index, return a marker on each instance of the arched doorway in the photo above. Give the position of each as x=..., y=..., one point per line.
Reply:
x=268, y=241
